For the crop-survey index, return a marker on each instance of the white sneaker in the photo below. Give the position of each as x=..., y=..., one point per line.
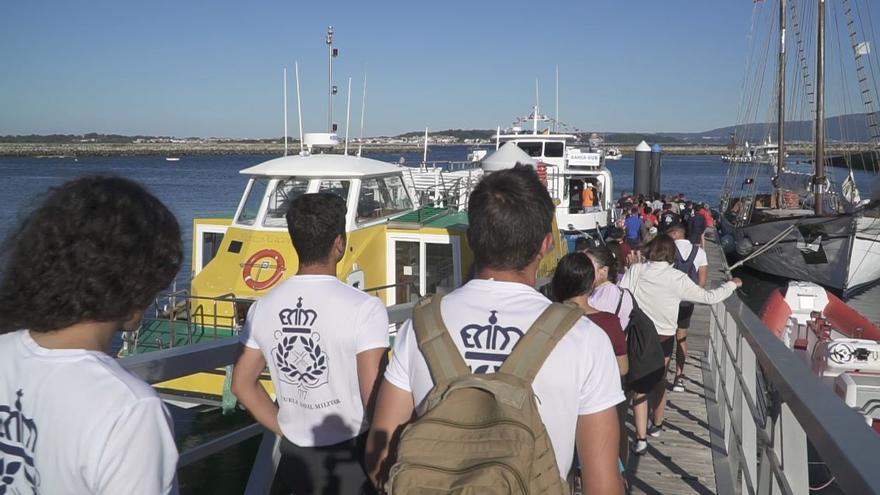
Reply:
x=678, y=384
x=640, y=447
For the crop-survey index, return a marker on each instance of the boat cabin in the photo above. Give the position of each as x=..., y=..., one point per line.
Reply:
x=578, y=181
x=394, y=251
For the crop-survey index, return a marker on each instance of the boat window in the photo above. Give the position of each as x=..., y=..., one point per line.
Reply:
x=381, y=197
x=251, y=206
x=285, y=191
x=439, y=267
x=335, y=186
x=210, y=245
x=554, y=150
x=532, y=148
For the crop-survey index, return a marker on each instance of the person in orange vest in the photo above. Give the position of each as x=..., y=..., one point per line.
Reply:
x=587, y=197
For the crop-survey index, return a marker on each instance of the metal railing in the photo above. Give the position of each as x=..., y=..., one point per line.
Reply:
x=167, y=364
x=771, y=407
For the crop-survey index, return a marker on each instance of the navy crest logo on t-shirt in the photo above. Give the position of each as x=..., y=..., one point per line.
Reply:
x=298, y=355
x=492, y=343
x=18, y=442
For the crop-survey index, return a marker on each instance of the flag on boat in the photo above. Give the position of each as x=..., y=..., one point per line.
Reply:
x=863, y=48
x=850, y=190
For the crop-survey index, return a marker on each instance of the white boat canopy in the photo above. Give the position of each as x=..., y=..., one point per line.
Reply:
x=322, y=166
x=507, y=156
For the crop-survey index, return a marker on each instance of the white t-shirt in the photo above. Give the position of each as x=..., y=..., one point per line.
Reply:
x=684, y=249
x=310, y=330
x=487, y=319
x=76, y=422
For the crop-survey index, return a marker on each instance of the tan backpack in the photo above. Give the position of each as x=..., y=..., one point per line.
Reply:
x=480, y=433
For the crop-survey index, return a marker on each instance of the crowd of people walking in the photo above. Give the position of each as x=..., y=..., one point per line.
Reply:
x=491, y=388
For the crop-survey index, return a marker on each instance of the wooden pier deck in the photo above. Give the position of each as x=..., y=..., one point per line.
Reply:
x=680, y=461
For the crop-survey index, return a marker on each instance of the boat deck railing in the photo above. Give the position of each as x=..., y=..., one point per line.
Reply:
x=187, y=319
x=775, y=418
x=769, y=419
x=167, y=364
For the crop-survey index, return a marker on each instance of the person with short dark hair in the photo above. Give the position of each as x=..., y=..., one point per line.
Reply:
x=696, y=225
x=690, y=259
x=325, y=344
x=633, y=225
x=80, y=268
x=658, y=289
x=510, y=229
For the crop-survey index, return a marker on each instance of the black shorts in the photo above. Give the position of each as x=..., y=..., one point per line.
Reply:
x=685, y=311
x=316, y=469
x=647, y=383
x=667, y=343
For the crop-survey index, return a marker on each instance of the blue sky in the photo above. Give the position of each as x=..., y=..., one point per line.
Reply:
x=198, y=68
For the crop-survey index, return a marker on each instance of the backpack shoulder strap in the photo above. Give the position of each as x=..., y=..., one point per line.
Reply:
x=442, y=355
x=694, y=251
x=619, y=302
x=533, y=348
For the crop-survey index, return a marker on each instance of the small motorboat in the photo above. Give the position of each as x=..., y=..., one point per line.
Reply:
x=172, y=159
x=839, y=344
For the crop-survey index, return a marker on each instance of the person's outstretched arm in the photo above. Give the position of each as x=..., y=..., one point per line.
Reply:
x=689, y=291
x=394, y=408
x=598, y=439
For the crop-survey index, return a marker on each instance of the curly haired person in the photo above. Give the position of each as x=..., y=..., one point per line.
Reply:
x=325, y=344
x=83, y=265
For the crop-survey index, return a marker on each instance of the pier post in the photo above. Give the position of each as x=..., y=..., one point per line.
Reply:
x=642, y=170
x=656, y=156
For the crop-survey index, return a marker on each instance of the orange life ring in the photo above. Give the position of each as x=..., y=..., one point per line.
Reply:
x=248, y=268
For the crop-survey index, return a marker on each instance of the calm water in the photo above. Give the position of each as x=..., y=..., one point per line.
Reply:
x=210, y=186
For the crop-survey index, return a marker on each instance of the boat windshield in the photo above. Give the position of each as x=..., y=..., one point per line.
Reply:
x=251, y=206
x=382, y=197
x=286, y=191
x=336, y=186
x=532, y=148
x=554, y=150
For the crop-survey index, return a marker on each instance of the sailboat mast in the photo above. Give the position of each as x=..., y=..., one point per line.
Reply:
x=819, y=177
x=330, y=78
x=780, y=120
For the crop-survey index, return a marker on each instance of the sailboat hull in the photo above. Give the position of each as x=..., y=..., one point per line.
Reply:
x=816, y=249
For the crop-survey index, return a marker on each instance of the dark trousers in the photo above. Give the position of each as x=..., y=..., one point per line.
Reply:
x=330, y=470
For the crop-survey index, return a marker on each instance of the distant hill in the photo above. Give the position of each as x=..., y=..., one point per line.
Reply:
x=845, y=128
x=852, y=128
x=460, y=134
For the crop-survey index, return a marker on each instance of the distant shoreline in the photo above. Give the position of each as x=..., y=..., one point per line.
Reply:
x=69, y=150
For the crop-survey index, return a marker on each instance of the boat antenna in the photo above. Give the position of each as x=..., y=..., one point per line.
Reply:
x=347, y=116
x=537, y=107
x=332, y=53
x=425, y=152
x=299, y=111
x=819, y=177
x=363, y=109
x=284, y=72
x=555, y=122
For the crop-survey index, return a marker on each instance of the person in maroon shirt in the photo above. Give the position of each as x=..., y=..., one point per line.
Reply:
x=573, y=283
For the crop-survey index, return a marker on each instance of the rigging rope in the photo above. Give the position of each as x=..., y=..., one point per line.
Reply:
x=763, y=249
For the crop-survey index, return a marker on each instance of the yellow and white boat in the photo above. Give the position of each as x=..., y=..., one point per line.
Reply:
x=395, y=250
